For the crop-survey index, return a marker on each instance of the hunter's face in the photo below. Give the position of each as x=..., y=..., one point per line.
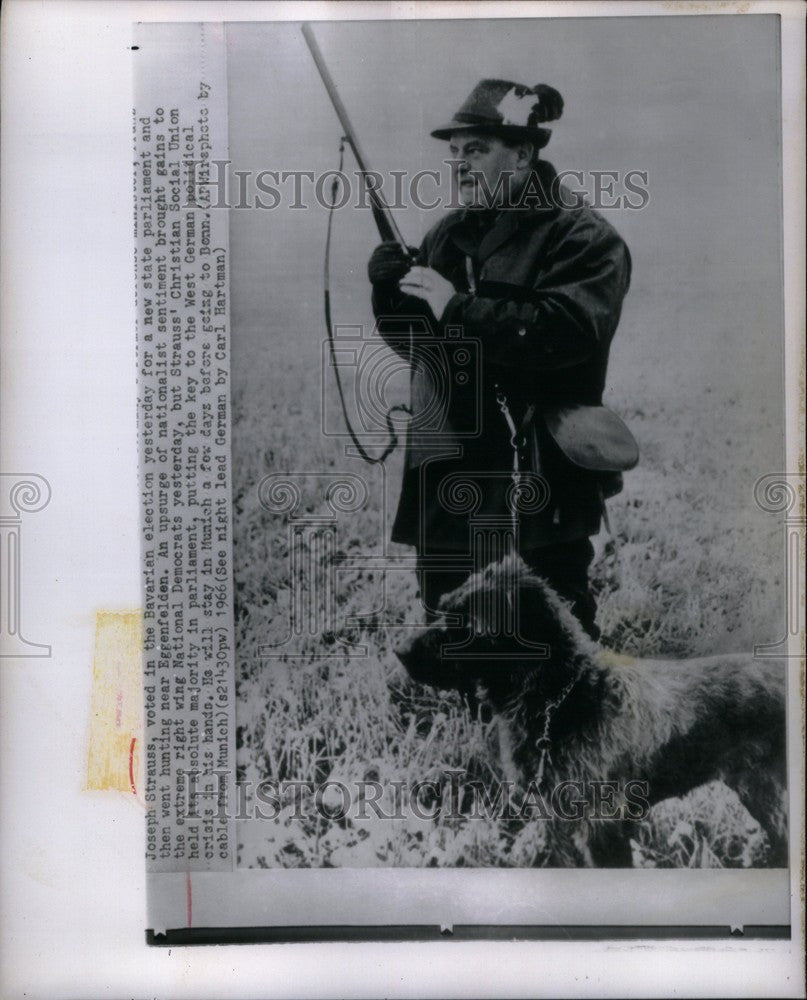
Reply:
x=483, y=165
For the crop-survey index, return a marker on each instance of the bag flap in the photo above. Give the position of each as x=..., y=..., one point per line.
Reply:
x=593, y=437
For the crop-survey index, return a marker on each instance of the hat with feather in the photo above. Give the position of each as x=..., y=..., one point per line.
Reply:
x=507, y=109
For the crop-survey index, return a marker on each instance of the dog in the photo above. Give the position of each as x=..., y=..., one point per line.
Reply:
x=570, y=711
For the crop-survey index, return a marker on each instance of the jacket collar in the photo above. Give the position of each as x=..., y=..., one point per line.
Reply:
x=464, y=232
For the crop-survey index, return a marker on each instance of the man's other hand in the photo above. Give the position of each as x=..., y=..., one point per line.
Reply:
x=425, y=283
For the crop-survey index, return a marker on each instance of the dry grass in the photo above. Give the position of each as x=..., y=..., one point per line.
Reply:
x=693, y=568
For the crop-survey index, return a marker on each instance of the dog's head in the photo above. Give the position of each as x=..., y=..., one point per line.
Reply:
x=503, y=630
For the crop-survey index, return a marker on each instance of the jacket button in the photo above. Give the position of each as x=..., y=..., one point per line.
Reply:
x=522, y=330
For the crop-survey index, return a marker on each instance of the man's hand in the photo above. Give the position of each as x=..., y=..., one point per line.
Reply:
x=425, y=283
x=389, y=262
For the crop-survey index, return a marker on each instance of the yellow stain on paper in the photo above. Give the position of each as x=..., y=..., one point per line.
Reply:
x=115, y=713
x=610, y=658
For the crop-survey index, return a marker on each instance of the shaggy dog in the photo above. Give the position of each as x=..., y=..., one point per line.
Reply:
x=568, y=710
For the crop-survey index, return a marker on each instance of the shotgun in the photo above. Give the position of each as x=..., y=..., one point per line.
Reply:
x=384, y=220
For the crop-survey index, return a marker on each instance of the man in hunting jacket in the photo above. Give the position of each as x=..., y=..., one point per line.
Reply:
x=536, y=280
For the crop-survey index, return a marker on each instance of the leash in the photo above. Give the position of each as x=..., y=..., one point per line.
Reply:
x=518, y=441
x=392, y=442
x=543, y=743
x=515, y=475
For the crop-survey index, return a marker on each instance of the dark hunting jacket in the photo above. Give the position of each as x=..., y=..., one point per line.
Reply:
x=538, y=297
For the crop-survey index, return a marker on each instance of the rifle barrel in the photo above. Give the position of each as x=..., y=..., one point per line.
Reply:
x=381, y=210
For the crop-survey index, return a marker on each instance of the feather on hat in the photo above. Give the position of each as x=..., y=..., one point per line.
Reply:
x=507, y=109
